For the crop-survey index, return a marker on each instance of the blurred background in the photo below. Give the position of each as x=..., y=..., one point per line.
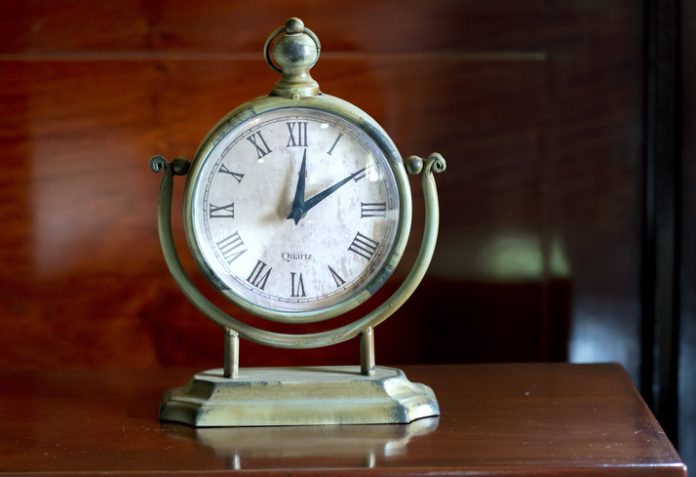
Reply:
x=568, y=217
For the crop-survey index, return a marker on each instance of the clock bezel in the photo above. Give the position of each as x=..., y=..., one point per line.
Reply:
x=348, y=112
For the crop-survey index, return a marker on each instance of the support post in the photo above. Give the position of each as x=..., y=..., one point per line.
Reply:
x=367, y=352
x=231, y=354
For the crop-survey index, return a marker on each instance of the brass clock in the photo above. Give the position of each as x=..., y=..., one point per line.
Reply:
x=297, y=208
x=294, y=212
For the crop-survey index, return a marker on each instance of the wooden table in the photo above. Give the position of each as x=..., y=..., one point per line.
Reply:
x=497, y=420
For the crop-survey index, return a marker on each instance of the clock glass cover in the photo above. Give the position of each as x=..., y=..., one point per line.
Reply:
x=294, y=212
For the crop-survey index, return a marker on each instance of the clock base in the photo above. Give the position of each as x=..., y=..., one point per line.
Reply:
x=298, y=397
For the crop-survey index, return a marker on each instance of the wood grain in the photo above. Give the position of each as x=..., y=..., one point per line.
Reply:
x=497, y=420
x=540, y=204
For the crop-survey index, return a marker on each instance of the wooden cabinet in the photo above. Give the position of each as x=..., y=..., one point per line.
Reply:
x=497, y=420
x=562, y=177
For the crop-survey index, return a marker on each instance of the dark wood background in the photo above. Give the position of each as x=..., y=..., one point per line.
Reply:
x=543, y=110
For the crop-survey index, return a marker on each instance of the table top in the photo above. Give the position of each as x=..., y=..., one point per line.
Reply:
x=497, y=420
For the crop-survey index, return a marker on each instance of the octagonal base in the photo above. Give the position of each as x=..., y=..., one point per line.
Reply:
x=299, y=396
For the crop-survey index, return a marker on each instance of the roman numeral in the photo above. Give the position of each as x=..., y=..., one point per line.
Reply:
x=337, y=278
x=231, y=247
x=222, y=211
x=257, y=277
x=298, y=134
x=333, y=146
x=297, y=285
x=373, y=209
x=238, y=177
x=360, y=174
x=260, y=144
x=363, y=246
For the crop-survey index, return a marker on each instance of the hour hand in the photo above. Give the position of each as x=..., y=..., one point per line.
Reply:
x=298, y=203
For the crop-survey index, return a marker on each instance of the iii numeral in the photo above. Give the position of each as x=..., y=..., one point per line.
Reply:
x=260, y=144
x=237, y=176
x=257, y=277
x=297, y=285
x=222, y=211
x=298, y=134
x=231, y=247
x=373, y=209
x=363, y=246
x=337, y=278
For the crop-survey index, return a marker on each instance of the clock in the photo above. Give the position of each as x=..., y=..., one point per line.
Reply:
x=297, y=208
x=294, y=211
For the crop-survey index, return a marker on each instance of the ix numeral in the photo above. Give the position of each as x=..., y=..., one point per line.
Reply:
x=231, y=247
x=363, y=246
x=260, y=144
x=298, y=134
x=222, y=211
x=238, y=177
x=257, y=277
x=373, y=209
x=337, y=278
x=297, y=285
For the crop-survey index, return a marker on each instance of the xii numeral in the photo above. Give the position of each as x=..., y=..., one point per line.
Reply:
x=231, y=247
x=363, y=246
x=260, y=144
x=297, y=285
x=259, y=275
x=222, y=211
x=298, y=134
x=373, y=209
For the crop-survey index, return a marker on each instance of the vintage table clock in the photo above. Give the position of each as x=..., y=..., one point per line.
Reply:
x=297, y=208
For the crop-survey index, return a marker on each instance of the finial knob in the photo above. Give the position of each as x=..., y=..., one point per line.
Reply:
x=294, y=25
x=292, y=50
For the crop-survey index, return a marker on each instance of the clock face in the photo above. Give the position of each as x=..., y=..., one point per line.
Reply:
x=294, y=211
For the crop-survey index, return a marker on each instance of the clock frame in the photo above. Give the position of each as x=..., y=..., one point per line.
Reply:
x=364, y=394
x=347, y=112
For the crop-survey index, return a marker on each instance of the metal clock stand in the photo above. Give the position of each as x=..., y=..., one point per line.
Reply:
x=367, y=394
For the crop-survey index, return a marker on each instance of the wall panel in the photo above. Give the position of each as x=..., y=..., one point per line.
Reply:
x=536, y=105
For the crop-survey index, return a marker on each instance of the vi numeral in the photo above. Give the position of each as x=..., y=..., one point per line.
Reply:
x=297, y=285
x=259, y=275
x=231, y=247
x=298, y=134
x=364, y=246
x=260, y=144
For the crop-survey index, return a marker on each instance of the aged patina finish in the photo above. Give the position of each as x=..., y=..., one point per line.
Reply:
x=328, y=395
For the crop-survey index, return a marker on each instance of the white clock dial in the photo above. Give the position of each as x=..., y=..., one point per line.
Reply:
x=295, y=210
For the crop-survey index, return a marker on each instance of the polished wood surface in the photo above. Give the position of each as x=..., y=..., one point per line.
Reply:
x=497, y=420
x=535, y=104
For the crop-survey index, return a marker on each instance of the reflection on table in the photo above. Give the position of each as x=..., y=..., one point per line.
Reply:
x=279, y=447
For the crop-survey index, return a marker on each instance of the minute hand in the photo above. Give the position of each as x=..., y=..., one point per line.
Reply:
x=309, y=203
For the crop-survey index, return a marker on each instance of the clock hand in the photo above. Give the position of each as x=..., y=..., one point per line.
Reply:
x=309, y=203
x=298, y=209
